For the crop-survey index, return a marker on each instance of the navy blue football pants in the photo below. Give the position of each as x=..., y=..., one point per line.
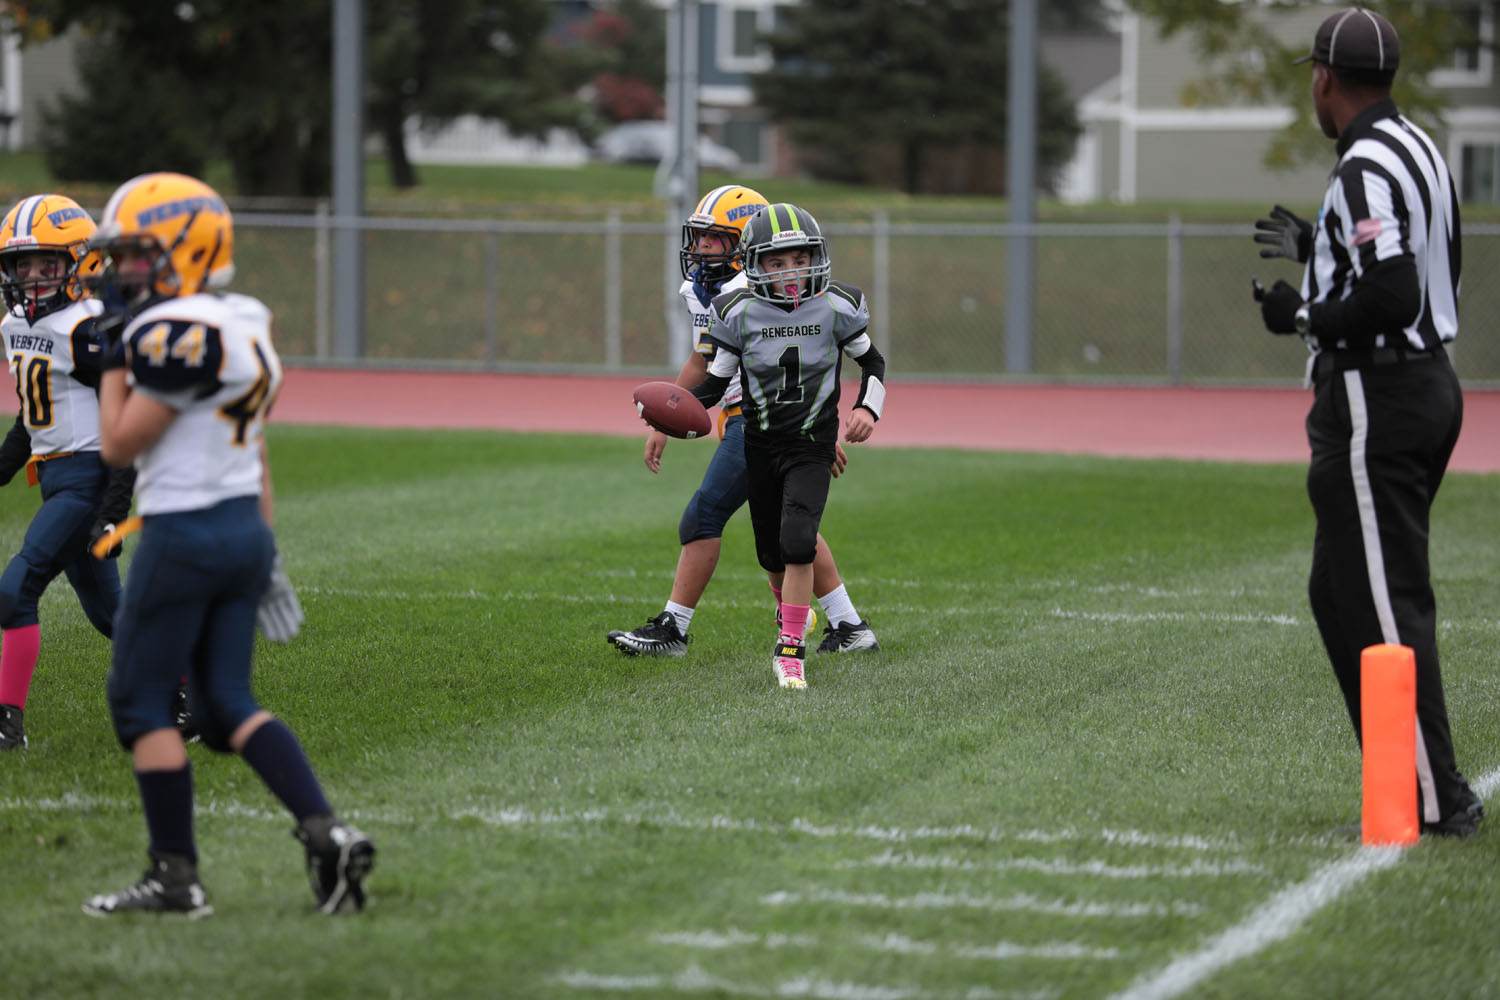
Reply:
x=723, y=491
x=57, y=542
x=189, y=611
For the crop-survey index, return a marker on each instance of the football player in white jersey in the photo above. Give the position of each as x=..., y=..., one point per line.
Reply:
x=710, y=239
x=49, y=342
x=190, y=375
x=785, y=336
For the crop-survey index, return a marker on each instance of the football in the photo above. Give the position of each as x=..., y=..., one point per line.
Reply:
x=671, y=409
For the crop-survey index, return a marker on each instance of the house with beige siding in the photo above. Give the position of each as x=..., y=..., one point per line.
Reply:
x=1141, y=142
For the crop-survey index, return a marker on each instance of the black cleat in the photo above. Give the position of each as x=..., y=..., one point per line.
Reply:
x=170, y=885
x=339, y=858
x=658, y=637
x=12, y=734
x=847, y=638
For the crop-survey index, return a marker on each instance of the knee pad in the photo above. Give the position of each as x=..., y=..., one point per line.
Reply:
x=216, y=718
x=703, y=518
x=19, y=593
x=799, y=541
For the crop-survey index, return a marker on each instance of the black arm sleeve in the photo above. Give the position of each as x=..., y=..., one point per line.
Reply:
x=15, y=450
x=87, y=355
x=711, y=389
x=118, y=491
x=871, y=365
x=1386, y=299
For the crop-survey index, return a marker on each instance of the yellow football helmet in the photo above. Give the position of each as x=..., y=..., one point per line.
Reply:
x=42, y=224
x=723, y=212
x=177, y=221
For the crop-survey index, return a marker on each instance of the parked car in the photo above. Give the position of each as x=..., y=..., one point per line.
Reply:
x=648, y=141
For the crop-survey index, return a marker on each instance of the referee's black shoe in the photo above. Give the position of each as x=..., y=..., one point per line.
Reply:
x=1463, y=822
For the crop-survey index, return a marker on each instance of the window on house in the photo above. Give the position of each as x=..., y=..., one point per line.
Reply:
x=1472, y=62
x=1479, y=173
x=740, y=27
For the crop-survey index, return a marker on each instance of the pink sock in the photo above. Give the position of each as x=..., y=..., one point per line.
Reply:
x=18, y=652
x=794, y=620
x=774, y=592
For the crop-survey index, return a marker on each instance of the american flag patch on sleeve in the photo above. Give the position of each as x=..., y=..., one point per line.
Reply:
x=1366, y=231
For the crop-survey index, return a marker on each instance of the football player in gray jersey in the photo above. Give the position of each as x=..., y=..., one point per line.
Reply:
x=710, y=266
x=786, y=333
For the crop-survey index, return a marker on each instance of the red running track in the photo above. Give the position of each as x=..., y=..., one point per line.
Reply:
x=1227, y=425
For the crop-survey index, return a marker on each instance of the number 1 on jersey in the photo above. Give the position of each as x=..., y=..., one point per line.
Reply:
x=790, y=364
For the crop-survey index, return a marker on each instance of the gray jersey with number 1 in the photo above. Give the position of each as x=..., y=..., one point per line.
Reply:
x=790, y=358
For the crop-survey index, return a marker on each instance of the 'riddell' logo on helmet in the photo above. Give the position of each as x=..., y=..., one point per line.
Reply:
x=182, y=206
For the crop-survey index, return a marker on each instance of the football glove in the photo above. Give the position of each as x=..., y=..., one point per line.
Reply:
x=280, y=614
x=1287, y=235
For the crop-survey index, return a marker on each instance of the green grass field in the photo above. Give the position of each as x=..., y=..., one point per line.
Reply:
x=1100, y=735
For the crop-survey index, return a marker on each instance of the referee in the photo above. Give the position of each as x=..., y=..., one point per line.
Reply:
x=1378, y=301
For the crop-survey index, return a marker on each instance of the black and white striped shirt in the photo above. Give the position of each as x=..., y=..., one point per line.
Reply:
x=1390, y=200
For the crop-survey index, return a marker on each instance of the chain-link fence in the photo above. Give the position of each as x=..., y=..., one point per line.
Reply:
x=1165, y=303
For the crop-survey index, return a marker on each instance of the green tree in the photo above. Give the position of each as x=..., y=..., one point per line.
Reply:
x=854, y=79
x=438, y=59
x=251, y=81
x=166, y=84
x=629, y=41
x=1249, y=62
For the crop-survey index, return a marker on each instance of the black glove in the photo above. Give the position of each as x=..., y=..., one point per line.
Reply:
x=98, y=531
x=1287, y=235
x=1278, y=306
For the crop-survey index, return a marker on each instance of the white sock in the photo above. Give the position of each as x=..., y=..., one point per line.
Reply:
x=683, y=615
x=838, y=607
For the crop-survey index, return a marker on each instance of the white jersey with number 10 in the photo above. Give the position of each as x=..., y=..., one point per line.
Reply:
x=209, y=357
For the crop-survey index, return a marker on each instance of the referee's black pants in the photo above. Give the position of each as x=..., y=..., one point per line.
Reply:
x=1381, y=437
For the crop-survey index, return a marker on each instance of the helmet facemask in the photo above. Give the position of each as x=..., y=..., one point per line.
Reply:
x=44, y=256
x=709, y=267
x=788, y=286
x=37, y=282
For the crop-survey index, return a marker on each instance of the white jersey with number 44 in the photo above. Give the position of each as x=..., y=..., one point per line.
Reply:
x=209, y=357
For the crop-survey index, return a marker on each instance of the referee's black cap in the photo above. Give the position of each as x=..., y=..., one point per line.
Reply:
x=1356, y=38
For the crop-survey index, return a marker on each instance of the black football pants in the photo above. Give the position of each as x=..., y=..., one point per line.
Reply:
x=789, y=481
x=1381, y=437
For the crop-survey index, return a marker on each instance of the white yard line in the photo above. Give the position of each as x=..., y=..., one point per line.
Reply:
x=1021, y=902
x=695, y=980
x=1276, y=919
x=1051, y=866
x=523, y=817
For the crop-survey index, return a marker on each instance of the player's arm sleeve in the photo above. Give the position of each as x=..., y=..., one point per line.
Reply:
x=119, y=488
x=711, y=389
x=15, y=450
x=87, y=353
x=871, y=373
x=1373, y=221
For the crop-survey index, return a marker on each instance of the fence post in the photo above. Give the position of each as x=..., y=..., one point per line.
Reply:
x=322, y=282
x=613, y=357
x=492, y=297
x=881, y=253
x=1174, y=299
